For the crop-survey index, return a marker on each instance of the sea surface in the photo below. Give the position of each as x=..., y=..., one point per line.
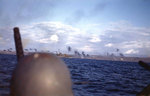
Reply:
x=90, y=77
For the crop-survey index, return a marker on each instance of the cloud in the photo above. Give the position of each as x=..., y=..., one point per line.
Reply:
x=109, y=45
x=132, y=44
x=126, y=37
x=56, y=36
x=86, y=48
x=131, y=51
x=95, y=39
x=43, y=40
x=53, y=39
x=52, y=35
x=6, y=36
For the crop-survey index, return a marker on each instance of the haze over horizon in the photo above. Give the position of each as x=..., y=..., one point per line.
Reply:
x=93, y=26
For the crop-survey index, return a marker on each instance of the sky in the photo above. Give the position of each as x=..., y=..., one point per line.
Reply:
x=96, y=27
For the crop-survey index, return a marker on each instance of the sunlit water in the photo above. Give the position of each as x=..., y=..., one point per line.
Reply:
x=91, y=77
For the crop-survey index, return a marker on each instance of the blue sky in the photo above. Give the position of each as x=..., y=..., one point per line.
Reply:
x=92, y=26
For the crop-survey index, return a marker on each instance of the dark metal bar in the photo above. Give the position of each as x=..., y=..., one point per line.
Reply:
x=18, y=44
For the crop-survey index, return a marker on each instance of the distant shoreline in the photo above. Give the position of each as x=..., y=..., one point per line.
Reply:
x=96, y=57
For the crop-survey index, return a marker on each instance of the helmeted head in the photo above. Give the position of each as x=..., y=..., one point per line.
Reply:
x=41, y=74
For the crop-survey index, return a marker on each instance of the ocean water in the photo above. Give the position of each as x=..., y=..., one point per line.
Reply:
x=90, y=77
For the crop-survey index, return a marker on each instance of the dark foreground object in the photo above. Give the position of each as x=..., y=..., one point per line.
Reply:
x=146, y=90
x=18, y=44
x=41, y=74
x=145, y=65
